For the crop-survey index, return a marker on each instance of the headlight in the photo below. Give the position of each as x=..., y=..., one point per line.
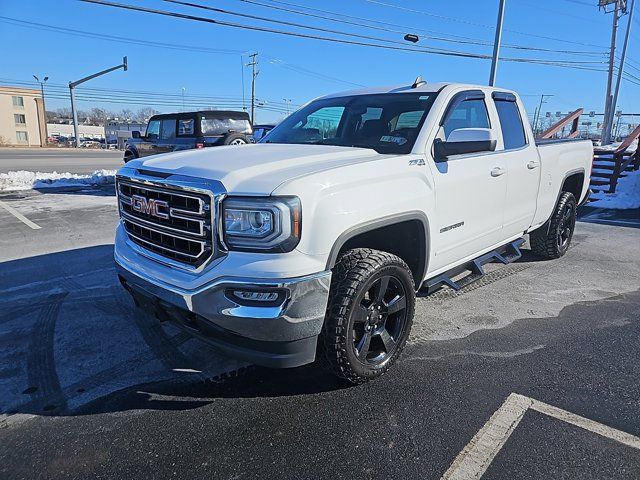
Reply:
x=266, y=224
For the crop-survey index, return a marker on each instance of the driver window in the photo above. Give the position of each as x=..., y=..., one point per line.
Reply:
x=153, y=129
x=468, y=114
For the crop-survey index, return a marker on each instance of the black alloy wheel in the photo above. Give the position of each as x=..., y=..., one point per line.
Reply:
x=379, y=320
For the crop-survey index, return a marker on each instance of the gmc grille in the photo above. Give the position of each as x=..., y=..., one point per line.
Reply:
x=182, y=231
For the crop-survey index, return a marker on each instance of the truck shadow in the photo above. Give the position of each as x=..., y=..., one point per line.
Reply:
x=72, y=342
x=248, y=383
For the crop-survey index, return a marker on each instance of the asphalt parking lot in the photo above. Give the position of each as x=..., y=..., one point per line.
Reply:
x=532, y=372
x=61, y=160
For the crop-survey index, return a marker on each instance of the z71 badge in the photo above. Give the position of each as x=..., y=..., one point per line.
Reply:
x=416, y=161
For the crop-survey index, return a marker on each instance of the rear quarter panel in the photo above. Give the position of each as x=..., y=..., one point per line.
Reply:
x=557, y=162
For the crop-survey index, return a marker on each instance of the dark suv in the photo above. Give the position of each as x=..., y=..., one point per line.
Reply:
x=182, y=131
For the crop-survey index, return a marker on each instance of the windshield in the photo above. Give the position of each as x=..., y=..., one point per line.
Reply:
x=387, y=123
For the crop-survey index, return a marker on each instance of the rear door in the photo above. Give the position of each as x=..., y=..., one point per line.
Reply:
x=167, y=141
x=186, y=134
x=520, y=154
x=470, y=189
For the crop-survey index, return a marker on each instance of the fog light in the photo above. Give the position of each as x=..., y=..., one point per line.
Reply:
x=252, y=296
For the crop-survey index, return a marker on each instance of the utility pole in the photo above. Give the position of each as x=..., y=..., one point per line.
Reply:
x=44, y=108
x=496, y=45
x=254, y=74
x=614, y=102
x=537, y=114
x=73, y=85
x=244, y=106
x=606, y=123
x=183, y=90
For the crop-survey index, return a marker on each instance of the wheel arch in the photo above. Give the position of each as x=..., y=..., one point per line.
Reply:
x=405, y=235
x=133, y=150
x=573, y=183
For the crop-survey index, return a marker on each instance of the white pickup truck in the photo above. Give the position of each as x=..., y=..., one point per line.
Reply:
x=311, y=245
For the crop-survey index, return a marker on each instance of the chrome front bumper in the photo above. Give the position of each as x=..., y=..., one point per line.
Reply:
x=281, y=334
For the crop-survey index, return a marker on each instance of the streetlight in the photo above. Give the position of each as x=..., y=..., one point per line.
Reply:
x=44, y=109
x=410, y=37
x=73, y=85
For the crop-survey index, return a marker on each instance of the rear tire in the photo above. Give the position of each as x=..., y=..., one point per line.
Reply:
x=369, y=315
x=552, y=239
x=235, y=140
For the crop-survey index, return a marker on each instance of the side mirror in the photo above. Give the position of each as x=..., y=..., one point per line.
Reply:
x=135, y=134
x=464, y=140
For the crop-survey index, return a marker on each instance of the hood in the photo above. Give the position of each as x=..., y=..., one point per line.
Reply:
x=255, y=169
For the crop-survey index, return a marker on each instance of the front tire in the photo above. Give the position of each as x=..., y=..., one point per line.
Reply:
x=552, y=239
x=369, y=316
x=128, y=156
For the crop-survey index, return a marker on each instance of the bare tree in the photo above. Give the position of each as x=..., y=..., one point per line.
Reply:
x=143, y=115
x=63, y=112
x=99, y=115
x=125, y=114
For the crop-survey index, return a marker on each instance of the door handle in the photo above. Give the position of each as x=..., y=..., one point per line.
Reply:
x=531, y=165
x=497, y=171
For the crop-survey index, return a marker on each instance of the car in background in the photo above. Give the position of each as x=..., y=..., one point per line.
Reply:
x=259, y=131
x=189, y=130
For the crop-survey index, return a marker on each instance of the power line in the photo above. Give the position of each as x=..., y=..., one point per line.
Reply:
x=563, y=63
x=282, y=22
x=40, y=26
x=127, y=40
x=468, y=22
x=427, y=33
x=143, y=98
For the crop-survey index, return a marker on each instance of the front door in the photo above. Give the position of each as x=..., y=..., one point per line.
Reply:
x=470, y=189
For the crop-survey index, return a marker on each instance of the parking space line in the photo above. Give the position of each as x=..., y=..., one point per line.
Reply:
x=19, y=216
x=477, y=455
x=586, y=424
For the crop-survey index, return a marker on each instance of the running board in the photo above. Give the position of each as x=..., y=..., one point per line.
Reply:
x=505, y=254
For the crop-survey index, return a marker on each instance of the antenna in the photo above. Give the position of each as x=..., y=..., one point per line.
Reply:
x=418, y=82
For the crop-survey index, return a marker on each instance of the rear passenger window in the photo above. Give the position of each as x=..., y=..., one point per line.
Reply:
x=468, y=114
x=511, y=124
x=185, y=126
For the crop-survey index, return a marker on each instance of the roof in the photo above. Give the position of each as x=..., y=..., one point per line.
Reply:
x=205, y=113
x=6, y=89
x=404, y=88
x=423, y=88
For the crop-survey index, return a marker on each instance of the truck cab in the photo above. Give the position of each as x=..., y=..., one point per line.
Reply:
x=189, y=130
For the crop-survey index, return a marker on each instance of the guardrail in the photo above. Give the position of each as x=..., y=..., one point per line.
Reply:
x=573, y=118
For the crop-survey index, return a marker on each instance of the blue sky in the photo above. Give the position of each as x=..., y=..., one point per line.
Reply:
x=301, y=69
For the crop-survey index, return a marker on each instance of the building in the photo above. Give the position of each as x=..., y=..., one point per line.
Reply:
x=22, y=118
x=84, y=131
x=119, y=132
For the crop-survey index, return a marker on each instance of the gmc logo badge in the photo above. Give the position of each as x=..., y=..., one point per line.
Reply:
x=150, y=206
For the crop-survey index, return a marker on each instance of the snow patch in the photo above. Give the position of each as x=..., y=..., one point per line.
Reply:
x=627, y=194
x=613, y=146
x=24, y=180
